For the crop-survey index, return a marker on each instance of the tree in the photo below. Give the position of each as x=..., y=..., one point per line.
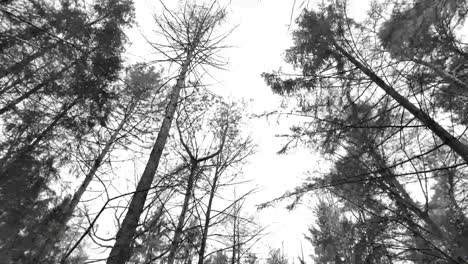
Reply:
x=190, y=39
x=242, y=231
x=372, y=191
x=234, y=150
x=54, y=85
x=321, y=44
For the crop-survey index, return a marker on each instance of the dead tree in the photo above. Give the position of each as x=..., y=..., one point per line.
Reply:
x=190, y=43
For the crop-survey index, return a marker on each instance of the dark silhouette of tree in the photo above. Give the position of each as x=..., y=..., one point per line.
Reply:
x=58, y=64
x=374, y=98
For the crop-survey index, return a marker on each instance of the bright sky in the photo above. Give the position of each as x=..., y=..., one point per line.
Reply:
x=259, y=41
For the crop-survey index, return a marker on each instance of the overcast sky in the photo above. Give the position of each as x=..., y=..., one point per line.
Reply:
x=262, y=33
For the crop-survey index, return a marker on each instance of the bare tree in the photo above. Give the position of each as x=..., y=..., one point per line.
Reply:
x=235, y=150
x=190, y=43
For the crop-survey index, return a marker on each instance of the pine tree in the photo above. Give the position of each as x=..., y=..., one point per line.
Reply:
x=54, y=83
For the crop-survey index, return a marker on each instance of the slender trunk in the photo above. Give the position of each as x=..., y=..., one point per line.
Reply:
x=233, y=260
x=234, y=237
x=238, y=248
x=55, y=226
x=97, y=163
x=201, y=254
x=180, y=223
x=121, y=251
x=456, y=145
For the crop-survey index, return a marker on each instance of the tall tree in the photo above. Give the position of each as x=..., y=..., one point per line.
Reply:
x=242, y=231
x=373, y=99
x=59, y=60
x=190, y=39
x=194, y=172
x=139, y=88
x=323, y=43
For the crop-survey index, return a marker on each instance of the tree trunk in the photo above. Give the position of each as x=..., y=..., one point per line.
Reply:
x=201, y=254
x=121, y=251
x=180, y=223
x=234, y=237
x=456, y=145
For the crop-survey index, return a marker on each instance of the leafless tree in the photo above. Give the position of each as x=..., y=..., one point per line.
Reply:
x=190, y=43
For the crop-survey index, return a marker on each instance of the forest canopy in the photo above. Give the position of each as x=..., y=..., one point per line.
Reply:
x=106, y=159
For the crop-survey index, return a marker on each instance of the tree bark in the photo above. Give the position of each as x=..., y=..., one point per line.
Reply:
x=456, y=145
x=234, y=236
x=121, y=251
